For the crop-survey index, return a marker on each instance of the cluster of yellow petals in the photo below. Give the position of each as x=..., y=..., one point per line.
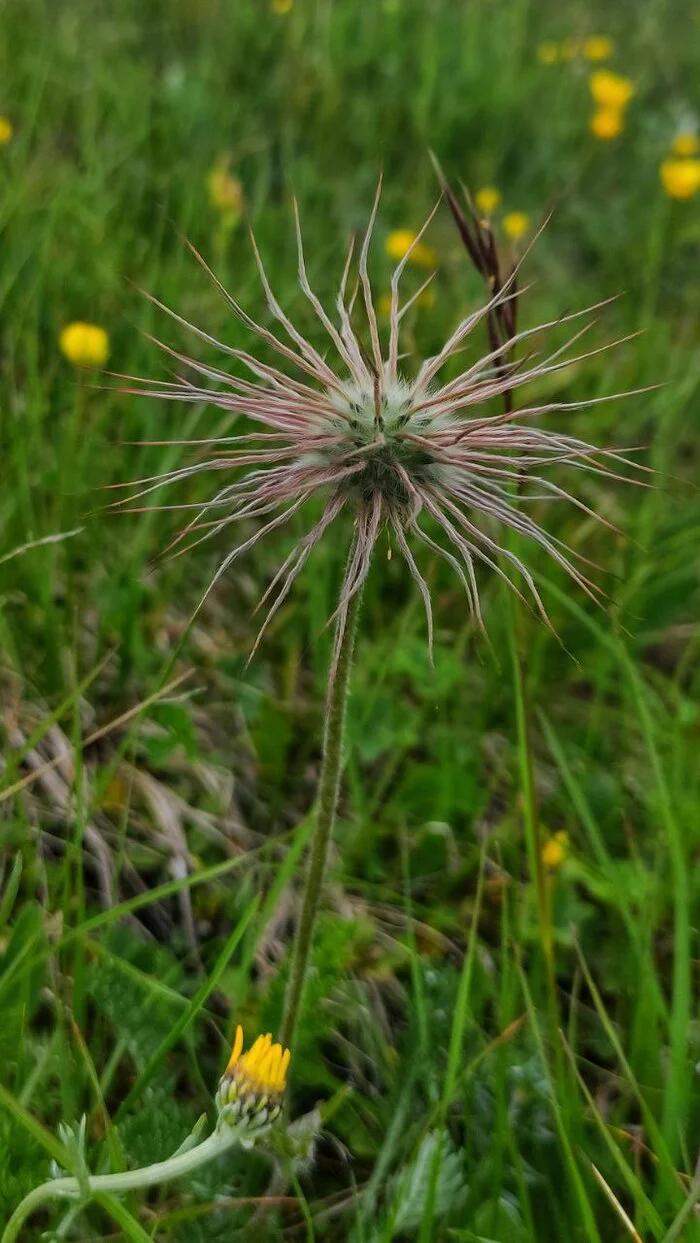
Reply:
x=400, y=242
x=598, y=47
x=282, y=6
x=610, y=90
x=6, y=131
x=686, y=144
x=487, y=199
x=612, y=93
x=515, y=225
x=680, y=172
x=680, y=178
x=607, y=123
x=594, y=48
x=84, y=345
x=262, y=1069
x=555, y=850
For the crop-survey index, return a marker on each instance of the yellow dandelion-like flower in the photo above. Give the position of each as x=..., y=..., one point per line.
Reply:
x=598, y=47
x=548, y=53
x=251, y=1090
x=680, y=178
x=686, y=144
x=282, y=6
x=487, y=199
x=84, y=345
x=516, y=225
x=401, y=241
x=555, y=850
x=607, y=123
x=6, y=131
x=610, y=90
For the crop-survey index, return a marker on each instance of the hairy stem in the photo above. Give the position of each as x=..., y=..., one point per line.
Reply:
x=327, y=802
x=78, y=1189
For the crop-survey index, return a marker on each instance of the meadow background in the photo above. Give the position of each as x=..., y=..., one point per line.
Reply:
x=155, y=789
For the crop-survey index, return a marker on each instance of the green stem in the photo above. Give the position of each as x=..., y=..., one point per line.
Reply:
x=327, y=801
x=533, y=836
x=162, y=1171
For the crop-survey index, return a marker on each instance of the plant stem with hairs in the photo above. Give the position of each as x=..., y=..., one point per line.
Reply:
x=328, y=789
x=79, y=1190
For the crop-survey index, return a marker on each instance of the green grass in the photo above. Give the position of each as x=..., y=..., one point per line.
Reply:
x=482, y=1043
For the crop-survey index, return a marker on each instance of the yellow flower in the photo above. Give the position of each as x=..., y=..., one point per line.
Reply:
x=487, y=199
x=515, y=225
x=598, y=47
x=6, y=131
x=680, y=178
x=686, y=144
x=548, y=52
x=251, y=1090
x=607, y=123
x=84, y=345
x=610, y=90
x=400, y=242
x=282, y=6
x=225, y=191
x=555, y=850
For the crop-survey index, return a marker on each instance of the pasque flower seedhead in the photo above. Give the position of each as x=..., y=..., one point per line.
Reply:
x=424, y=457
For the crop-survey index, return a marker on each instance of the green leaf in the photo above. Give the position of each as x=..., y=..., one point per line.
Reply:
x=413, y=1188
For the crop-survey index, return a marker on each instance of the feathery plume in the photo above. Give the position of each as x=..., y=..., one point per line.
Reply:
x=419, y=456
